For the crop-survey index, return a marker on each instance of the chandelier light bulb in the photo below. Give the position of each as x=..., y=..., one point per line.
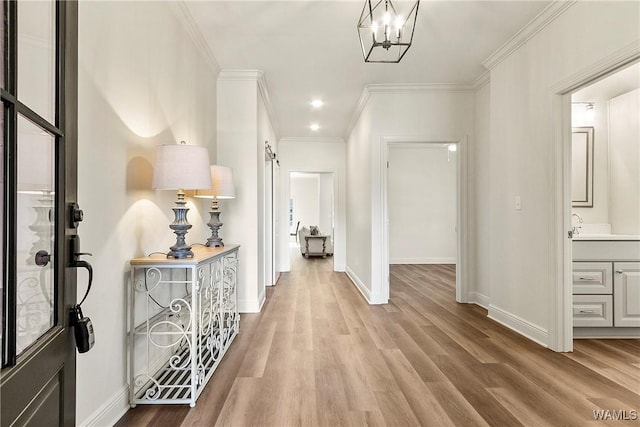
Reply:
x=386, y=20
x=374, y=29
x=399, y=24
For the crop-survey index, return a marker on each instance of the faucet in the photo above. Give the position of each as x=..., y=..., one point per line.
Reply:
x=576, y=229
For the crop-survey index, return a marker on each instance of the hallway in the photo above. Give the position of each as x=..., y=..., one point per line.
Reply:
x=318, y=354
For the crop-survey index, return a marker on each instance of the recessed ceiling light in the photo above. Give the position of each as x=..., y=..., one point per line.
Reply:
x=314, y=127
x=317, y=103
x=453, y=147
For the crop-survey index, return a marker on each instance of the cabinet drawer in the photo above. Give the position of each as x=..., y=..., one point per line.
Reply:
x=592, y=278
x=592, y=310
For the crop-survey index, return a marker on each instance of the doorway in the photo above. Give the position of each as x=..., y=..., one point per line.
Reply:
x=310, y=204
x=450, y=157
x=270, y=237
x=561, y=331
x=605, y=206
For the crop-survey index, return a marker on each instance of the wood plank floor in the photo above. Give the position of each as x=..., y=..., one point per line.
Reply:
x=319, y=355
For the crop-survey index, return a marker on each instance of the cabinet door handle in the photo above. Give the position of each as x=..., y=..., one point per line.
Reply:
x=619, y=271
x=586, y=278
x=587, y=311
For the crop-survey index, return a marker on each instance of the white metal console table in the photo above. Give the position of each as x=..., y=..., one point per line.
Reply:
x=183, y=318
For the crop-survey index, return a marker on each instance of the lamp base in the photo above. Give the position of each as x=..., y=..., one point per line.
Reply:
x=180, y=227
x=43, y=229
x=214, y=241
x=180, y=253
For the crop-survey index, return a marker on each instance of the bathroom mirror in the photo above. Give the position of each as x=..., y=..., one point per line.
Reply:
x=582, y=167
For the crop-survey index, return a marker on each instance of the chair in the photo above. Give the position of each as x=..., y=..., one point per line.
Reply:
x=295, y=233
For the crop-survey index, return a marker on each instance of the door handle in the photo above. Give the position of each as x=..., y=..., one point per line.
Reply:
x=42, y=258
x=80, y=263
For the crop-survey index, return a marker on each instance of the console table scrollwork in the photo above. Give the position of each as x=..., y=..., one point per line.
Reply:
x=183, y=317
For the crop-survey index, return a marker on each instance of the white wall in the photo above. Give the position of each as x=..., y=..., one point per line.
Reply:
x=597, y=219
x=243, y=127
x=325, y=202
x=266, y=231
x=480, y=221
x=421, y=203
x=598, y=215
x=305, y=192
x=142, y=83
x=624, y=113
x=303, y=155
x=523, y=243
x=428, y=113
x=359, y=200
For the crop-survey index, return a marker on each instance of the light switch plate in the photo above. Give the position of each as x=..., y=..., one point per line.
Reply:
x=518, y=203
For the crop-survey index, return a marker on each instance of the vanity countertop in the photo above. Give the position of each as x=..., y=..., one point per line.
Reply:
x=605, y=237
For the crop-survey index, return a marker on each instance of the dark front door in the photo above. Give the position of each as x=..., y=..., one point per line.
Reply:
x=38, y=171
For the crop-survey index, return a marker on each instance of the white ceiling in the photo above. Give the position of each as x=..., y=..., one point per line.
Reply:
x=310, y=49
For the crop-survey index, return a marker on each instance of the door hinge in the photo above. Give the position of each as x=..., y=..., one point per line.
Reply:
x=570, y=234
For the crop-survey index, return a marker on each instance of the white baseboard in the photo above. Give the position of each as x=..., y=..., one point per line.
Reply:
x=339, y=267
x=480, y=299
x=619, y=333
x=359, y=285
x=422, y=260
x=251, y=306
x=519, y=325
x=109, y=413
x=371, y=298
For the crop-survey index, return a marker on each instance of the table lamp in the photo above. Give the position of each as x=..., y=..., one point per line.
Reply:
x=36, y=179
x=181, y=167
x=221, y=188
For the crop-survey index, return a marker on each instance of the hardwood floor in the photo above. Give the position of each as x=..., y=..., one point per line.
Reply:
x=319, y=355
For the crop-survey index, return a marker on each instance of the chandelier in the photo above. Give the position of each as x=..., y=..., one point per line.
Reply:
x=386, y=34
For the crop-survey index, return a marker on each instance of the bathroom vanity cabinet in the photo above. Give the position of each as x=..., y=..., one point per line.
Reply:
x=606, y=288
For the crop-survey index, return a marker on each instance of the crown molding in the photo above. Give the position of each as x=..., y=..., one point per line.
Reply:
x=362, y=102
x=262, y=88
x=312, y=139
x=544, y=18
x=481, y=81
x=183, y=15
x=618, y=59
x=419, y=87
x=241, y=75
x=399, y=88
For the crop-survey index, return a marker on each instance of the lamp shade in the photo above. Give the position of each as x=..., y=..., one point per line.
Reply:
x=221, y=184
x=36, y=159
x=181, y=166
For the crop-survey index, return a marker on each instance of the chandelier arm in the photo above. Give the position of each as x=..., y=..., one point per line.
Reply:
x=413, y=27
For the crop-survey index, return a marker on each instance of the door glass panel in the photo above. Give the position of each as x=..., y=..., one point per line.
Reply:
x=37, y=56
x=2, y=144
x=35, y=233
